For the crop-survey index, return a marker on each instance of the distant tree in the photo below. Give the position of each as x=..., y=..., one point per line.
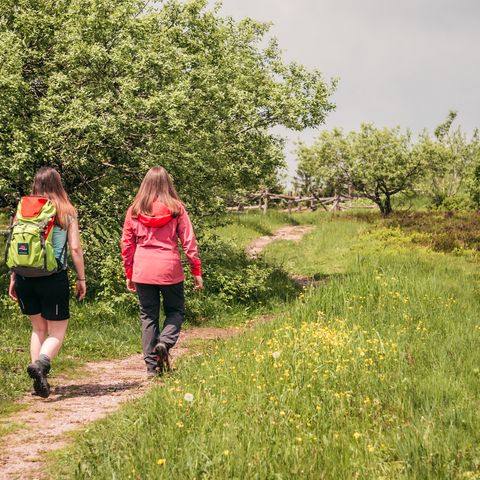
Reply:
x=376, y=163
x=450, y=157
x=304, y=184
x=474, y=184
x=324, y=164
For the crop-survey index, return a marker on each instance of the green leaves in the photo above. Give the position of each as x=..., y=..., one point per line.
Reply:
x=115, y=88
x=375, y=163
x=103, y=90
x=451, y=159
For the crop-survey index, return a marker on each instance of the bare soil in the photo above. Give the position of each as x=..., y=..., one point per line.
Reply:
x=290, y=232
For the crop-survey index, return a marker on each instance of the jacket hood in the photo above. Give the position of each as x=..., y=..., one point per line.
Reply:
x=160, y=216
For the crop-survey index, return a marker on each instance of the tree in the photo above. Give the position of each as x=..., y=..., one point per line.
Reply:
x=324, y=164
x=376, y=163
x=451, y=158
x=104, y=89
x=473, y=186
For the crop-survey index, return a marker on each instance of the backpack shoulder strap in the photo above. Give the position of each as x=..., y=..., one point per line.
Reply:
x=11, y=224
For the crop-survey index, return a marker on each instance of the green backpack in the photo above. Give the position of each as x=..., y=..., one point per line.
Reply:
x=30, y=250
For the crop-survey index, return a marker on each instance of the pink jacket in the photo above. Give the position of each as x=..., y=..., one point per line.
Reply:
x=150, y=246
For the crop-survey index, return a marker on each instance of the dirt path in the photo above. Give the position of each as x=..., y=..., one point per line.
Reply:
x=102, y=387
x=291, y=233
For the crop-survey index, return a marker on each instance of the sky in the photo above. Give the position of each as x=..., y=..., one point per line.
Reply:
x=402, y=62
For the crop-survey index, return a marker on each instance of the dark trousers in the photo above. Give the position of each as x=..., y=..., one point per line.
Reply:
x=174, y=308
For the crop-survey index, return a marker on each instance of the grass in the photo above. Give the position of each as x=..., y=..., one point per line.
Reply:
x=322, y=252
x=102, y=329
x=373, y=375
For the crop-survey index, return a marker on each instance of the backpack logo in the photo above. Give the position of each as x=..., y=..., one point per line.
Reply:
x=23, y=248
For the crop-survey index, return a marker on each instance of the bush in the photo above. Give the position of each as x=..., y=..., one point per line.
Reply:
x=231, y=279
x=457, y=203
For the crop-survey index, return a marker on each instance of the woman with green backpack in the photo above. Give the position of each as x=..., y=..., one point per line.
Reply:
x=44, y=226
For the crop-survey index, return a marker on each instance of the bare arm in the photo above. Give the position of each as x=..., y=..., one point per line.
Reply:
x=77, y=256
x=11, y=289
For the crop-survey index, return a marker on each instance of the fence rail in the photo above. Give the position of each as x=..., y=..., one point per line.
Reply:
x=336, y=202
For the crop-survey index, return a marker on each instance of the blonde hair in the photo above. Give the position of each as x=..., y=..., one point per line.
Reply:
x=157, y=184
x=48, y=183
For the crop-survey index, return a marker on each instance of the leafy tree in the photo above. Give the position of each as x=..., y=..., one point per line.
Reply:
x=451, y=158
x=324, y=164
x=303, y=183
x=105, y=89
x=375, y=163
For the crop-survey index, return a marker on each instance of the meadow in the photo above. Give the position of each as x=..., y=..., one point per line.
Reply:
x=374, y=373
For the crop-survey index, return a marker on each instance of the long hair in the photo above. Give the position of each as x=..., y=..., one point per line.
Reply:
x=48, y=183
x=157, y=185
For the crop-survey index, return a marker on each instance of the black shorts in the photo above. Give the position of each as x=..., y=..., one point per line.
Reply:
x=46, y=295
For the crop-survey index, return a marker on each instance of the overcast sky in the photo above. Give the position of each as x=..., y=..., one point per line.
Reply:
x=402, y=62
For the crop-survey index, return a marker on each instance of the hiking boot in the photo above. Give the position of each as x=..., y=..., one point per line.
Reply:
x=38, y=374
x=163, y=360
x=151, y=372
x=34, y=393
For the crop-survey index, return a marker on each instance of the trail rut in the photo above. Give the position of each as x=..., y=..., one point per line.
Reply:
x=290, y=233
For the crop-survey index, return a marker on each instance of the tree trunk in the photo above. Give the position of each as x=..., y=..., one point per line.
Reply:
x=385, y=206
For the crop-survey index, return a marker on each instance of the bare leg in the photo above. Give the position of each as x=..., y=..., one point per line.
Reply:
x=56, y=334
x=39, y=334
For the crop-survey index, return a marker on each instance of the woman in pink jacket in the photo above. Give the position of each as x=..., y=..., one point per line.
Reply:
x=151, y=258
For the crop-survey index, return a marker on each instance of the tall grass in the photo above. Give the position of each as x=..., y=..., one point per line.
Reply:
x=375, y=374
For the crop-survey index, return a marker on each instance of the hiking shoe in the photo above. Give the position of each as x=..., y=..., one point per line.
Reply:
x=151, y=372
x=34, y=393
x=40, y=385
x=163, y=360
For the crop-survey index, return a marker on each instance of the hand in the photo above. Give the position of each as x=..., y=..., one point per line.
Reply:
x=131, y=285
x=197, y=282
x=81, y=290
x=11, y=290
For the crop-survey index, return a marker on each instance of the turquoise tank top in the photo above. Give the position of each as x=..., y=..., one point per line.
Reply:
x=59, y=241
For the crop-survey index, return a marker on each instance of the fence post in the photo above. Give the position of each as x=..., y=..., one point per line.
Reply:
x=265, y=202
x=336, y=203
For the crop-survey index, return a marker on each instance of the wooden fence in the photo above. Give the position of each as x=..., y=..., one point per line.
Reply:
x=289, y=202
